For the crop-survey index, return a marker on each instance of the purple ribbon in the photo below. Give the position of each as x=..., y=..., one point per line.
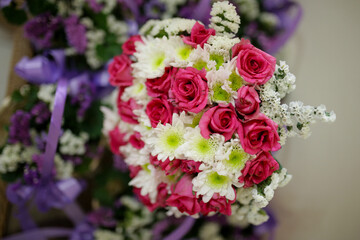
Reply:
x=181, y=231
x=44, y=233
x=46, y=68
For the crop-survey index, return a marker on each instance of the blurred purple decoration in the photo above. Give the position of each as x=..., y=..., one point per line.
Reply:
x=45, y=68
x=5, y=3
x=95, y=6
x=102, y=217
x=20, y=128
x=75, y=33
x=197, y=10
x=40, y=112
x=119, y=163
x=41, y=29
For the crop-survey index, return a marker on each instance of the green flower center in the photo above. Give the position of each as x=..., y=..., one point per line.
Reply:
x=220, y=94
x=158, y=60
x=145, y=167
x=217, y=181
x=218, y=59
x=200, y=65
x=173, y=140
x=236, y=81
x=138, y=88
x=184, y=52
x=237, y=159
x=203, y=146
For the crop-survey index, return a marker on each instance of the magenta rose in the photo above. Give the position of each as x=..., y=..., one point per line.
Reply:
x=199, y=35
x=169, y=167
x=129, y=46
x=217, y=204
x=190, y=90
x=254, y=66
x=125, y=110
x=248, y=102
x=116, y=139
x=135, y=141
x=259, y=134
x=258, y=169
x=161, y=85
x=190, y=166
x=159, y=110
x=160, y=198
x=220, y=119
x=183, y=197
x=120, y=71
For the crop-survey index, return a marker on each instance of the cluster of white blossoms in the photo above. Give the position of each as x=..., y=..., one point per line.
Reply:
x=199, y=114
x=13, y=155
x=70, y=144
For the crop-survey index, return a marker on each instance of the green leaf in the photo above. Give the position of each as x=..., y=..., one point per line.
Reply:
x=12, y=176
x=37, y=7
x=14, y=16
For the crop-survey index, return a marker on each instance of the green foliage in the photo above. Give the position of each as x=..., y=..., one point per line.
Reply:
x=14, y=15
x=13, y=176
x=37, y=7
x=93, y=120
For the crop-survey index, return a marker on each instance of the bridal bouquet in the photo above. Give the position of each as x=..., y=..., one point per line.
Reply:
x=199, y=117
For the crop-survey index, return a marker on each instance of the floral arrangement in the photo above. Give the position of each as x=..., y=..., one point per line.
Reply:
x=199, y=116
x=91, y=30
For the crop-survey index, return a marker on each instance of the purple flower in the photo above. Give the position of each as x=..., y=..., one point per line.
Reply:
x=95, y=6
x=76, y=160
x=40, y=141
x=40, y=30
x=20, y=128
x=120, y=164
x=31, y=175
x=76, y=33
x=41, y=113
x=102, y=217
x=84, y=97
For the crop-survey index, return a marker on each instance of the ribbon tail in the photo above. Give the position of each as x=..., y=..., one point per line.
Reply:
x=181, y=231
x=41, y=234
x=74, y=212
x=55, y=128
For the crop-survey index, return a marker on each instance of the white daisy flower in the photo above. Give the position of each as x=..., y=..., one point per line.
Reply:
x=198, y=148
x=153, y=56
x=148, y=180
x=219, y=86
x=209, y=182
x=181, y=52
x=167, y=139
x=200, y=58
x=134, y=156
x=137, y=91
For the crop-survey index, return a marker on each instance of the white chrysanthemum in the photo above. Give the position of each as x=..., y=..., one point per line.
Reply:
x=224, y=19
x=200, y=58
x=137, y=91
x=166, y=139
x=134, y=156
x=231, y=159
x=70, y=144
x=209, y=182
x=181, y=52
x=221, y=46
x=148, y=180
x=219, y=86
x=152, y=57
x=198, y=148
x=111, y=119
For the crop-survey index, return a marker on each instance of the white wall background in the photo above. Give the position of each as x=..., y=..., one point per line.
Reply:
x=323, y=199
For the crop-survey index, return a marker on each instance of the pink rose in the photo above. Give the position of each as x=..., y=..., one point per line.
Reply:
x=125, y=110
x=190, y=90
x=199, y=35
x=258, y=169
x=134, y=170
x=254, y=65
x=190, y=166
x=183, y=198
x=116, y=139
x=161, y=85
x=159, y=110
x=129, y=46
x=217, y=204
x=248, y=102
x=259, y=134
x=135, y=141
x=169, y=167
x=120, y=71
x=160, y=198
x=220, y=119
